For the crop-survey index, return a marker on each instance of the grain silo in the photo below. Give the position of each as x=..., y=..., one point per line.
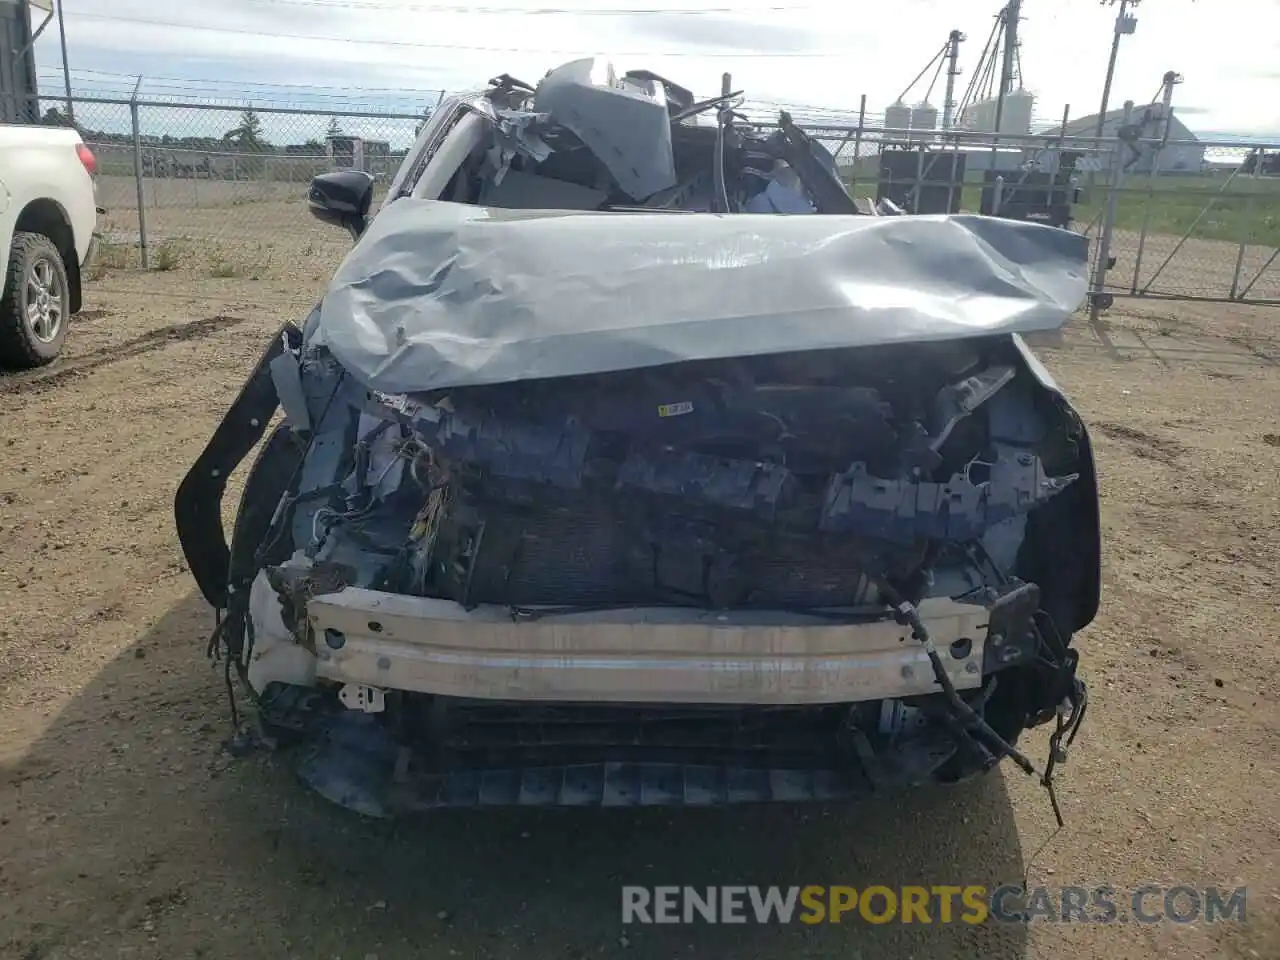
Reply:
x=1016, y=116
x=924, y=121
x=980, y=115
x=897, y=116
x=1015, y=113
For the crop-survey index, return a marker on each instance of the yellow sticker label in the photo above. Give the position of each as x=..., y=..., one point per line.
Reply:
x=675, y=409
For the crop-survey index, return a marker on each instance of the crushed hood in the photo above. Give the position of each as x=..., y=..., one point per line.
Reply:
x=440, y=295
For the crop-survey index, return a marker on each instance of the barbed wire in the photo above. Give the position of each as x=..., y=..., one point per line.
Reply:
x=408, y=102
x=131, y=78
x=102, y=82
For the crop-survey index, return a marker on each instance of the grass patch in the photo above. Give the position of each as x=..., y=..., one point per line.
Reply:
x=110, y=256
x=1244, y=210
x=251, y=264
x=223, y=269
x=166, y=257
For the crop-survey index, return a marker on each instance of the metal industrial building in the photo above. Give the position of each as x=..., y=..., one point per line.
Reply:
x=1177, y=157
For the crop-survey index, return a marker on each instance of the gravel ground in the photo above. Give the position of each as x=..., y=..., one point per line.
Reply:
x=126, y=832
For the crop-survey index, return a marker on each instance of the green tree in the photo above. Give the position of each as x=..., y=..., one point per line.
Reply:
x=248, y=135
x=334, y=129
x=247, y=138
x=56, y=118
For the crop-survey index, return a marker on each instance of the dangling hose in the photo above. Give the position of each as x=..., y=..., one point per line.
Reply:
x=964, y=713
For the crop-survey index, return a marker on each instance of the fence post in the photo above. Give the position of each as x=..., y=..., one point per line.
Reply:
x=137, y=176
x=857, y=143
x=1055, y=169
x=1166, y=123
x=1101, y=265
x=954, y=180
x=66, y=73
x=1244, y=241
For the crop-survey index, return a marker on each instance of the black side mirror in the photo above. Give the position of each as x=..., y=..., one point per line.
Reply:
x=342, y=199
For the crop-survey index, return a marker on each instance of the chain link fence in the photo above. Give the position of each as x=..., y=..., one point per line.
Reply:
x=225, y=186
x=1170, y=219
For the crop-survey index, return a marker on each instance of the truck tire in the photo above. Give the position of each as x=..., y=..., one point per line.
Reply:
x=34, y=308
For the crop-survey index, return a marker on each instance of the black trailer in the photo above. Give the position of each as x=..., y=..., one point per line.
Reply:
x=1030, y=195
x=922, y=181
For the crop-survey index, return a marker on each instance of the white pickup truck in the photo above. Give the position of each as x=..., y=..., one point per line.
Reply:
x=48, y=214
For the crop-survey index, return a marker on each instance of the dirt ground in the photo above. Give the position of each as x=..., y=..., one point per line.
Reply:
x=126, y=832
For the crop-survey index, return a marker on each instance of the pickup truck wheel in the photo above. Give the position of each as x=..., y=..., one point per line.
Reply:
x=33, y=308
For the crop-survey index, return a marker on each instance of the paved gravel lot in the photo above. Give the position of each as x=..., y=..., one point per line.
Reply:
x=126, y=832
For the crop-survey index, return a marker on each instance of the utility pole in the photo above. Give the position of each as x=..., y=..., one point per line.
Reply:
x=1171, y=79
x=1126, y=23
x=66, y=66
x=1010, y=14
x=953, y=71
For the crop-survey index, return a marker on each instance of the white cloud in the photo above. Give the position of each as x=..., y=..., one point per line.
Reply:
x=821, y=52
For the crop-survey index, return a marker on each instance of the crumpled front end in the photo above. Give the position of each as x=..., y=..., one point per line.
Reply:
x=453, y=608
x=752, y=574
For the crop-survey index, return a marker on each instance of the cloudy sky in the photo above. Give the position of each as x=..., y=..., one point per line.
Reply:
x=823, y=53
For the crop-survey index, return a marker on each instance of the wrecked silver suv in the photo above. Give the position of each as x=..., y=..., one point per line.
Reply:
x=587, y=507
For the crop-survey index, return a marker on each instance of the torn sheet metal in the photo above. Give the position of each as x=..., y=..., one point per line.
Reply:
x=440, y=295
x=515, y=133
x=625, y=124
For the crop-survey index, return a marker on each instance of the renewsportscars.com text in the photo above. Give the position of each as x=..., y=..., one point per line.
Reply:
x=971, y=904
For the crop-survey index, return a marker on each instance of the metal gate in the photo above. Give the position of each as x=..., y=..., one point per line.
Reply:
x=1211, y=232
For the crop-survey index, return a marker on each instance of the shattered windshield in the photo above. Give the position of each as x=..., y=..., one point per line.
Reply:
x=584, y=139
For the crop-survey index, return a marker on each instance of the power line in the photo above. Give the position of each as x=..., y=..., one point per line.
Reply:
x=413, y=44
x=543, y=11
